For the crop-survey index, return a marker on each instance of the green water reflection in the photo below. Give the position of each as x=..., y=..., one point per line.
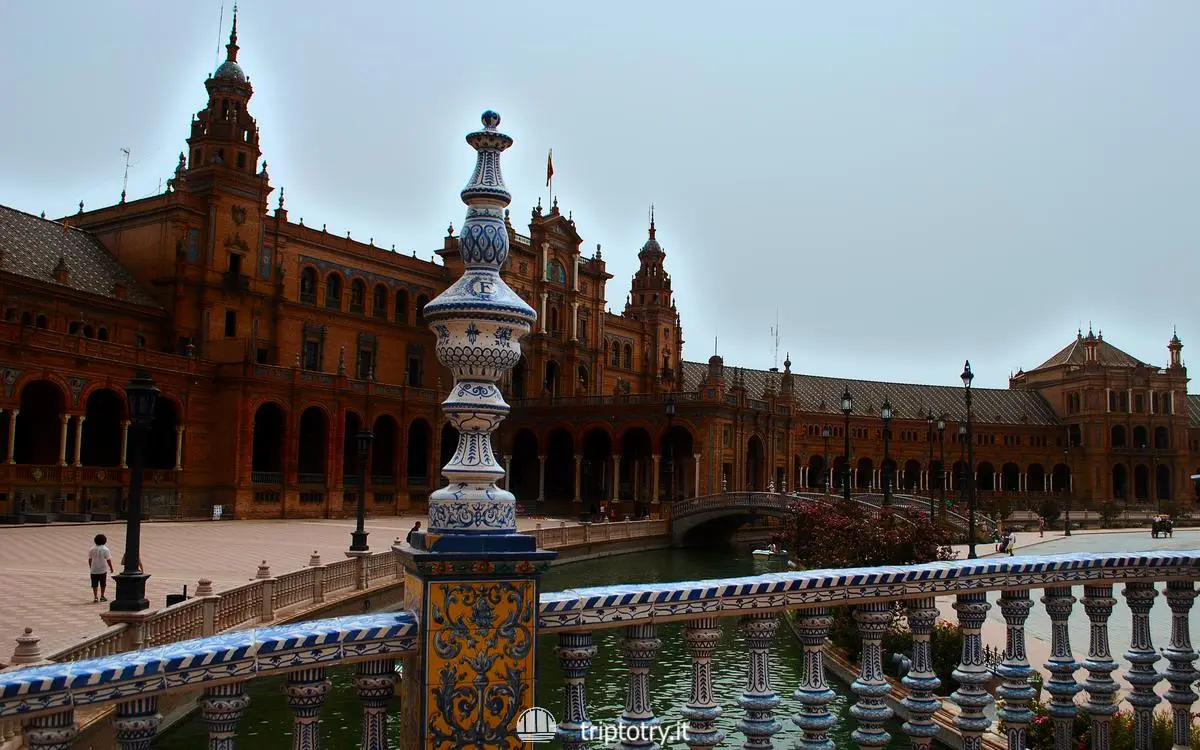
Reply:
x=268, y=723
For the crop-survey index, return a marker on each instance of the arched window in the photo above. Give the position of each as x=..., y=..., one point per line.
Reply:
x=26, y=318
x=43, y=321
x=400, y=314
x=1162, y=438
x=380, y=303
x=628, y=357
x=555, y=272
x=102, y=334
x=73, y=329
x=89, y=332
x=616, y=354
x=333, y=291
x=422, y=300
x=1141, y=437
x=358, y=295
x=1118, y=436
x=308, y=286
x=554, y=322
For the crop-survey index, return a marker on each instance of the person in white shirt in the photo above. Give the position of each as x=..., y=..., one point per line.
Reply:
x=100, y=563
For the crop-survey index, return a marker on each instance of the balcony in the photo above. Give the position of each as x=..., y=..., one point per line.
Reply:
x=308, y=298
x=232, y=281
x=311, y=478
x=266, y=477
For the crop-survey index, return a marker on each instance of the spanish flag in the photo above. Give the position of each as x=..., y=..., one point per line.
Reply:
x=549, y=167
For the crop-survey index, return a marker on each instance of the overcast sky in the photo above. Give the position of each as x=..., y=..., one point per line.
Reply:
x=904, y=184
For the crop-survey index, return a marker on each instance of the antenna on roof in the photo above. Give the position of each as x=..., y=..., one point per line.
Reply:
x=220, y=28
x=775, y=341
x=125, y=180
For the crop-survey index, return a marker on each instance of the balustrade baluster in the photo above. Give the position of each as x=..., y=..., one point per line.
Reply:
x=136, y=723
x=637, y=722
x=1101, y=689
x=1142, y=675
x=575, y=653
x=871, y=710
x=306, y=690
x=1179, y=654
x=972, y=671
x=814, y=695
x=701, y=637
x=921, y=681
x=53, y=732
x=222, y=707
x=759, y=700
x=376, y=684
x=1015, y=670
x=1061, y=665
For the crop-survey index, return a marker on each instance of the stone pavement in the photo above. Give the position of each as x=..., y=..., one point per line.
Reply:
x=44, y=574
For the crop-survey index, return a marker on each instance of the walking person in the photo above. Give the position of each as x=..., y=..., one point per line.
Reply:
x=1041, y=526
x=1012, y=543
x=416, y=527
x=100, y=564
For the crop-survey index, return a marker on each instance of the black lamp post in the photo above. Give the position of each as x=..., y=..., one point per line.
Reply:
x=886, y=413
x=929, y=440
x=847, y=407
x=941, y=472
x=670, y=448
x=358, y=537
x=1067, y=487
x=142, y=395
x=826, y=432
x=967, y=377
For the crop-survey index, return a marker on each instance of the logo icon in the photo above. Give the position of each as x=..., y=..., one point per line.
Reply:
x=536, y=725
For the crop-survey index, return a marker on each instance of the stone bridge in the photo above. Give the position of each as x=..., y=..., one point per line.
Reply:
x=715, y=517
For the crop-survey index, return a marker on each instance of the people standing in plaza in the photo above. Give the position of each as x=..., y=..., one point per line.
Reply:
x=416, y=527
x=1041, y=526
x=1011, y=543
x=100, y=563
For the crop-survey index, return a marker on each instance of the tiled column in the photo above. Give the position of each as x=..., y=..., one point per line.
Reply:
x=1101, y=689
x=79, y=440
x=541, y=498
x=814, y=695
x=1141, y=675
x=62, y=441
x=759, y=700
x=921, y=680
x=616, y=479
x=695, y=475
x=136, y=723
x=124, y=444
x=376, y=685
x=179, y=447
x=575, y=652
x=1180, y=655
x=306, y=690
x=472, y=675
x=640, y=646
x=221, y=708
x=701, y=637
x=12, y=434
x=1015, y=670
x=578, y=478
x=871, y=710
x=1061, y=665
x=972, y=671
x=53, y=732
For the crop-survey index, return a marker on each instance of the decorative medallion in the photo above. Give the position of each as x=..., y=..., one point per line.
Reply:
x=10, y=377
x=38, y=474
x=77, y=385
x=239, y=215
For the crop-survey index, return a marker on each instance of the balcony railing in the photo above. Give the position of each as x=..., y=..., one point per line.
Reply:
x=44, y=698
x=308, y=298
x=635, y=398
x=310, y=478
x=235, y=282
x=266, y=477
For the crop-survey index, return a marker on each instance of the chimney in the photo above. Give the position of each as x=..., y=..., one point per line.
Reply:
x=62, y=273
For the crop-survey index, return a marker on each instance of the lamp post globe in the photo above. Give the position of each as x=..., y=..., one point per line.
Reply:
x=847, y=407
x=358, y=537
x=885, y=412
x=142, y=397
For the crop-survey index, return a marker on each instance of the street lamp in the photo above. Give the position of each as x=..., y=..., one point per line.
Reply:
x=929, y=440
x=142, y=395
x=967, y=377
x=670, y=448
x=1067, y=488
x=886, y=413
x=358, y=537
x=847, y=407
x=826, y=432
x=941, y=472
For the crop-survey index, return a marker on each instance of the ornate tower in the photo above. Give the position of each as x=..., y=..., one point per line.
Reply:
x=479, y=322
x=1175, y=348
x=650, y=301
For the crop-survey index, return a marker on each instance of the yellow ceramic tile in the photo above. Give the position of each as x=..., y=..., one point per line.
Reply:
x=481, y=605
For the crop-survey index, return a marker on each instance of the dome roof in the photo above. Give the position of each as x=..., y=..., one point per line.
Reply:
x=230, y=70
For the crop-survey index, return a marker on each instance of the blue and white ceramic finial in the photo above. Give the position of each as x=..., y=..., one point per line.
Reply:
x=479, y=322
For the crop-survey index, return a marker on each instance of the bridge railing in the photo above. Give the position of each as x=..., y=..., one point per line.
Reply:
x=44, y=699
x=872, y=594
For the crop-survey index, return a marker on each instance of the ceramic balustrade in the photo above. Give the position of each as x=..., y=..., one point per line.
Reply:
x=44, y=699
x=874, y=597
x=340, y=575
x=179, y=622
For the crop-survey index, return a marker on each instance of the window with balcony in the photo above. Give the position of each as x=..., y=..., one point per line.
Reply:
x=358, y=295
x=380, y=302
x=230, y=323
x=333, y=291
x=308, y=286
x=400, y=312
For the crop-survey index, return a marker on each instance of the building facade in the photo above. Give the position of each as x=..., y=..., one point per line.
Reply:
x=276, y=343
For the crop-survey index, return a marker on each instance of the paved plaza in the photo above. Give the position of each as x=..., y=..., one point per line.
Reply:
x=44, y=574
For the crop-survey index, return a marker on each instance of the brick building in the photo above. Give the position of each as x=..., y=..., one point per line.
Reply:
x=274, y=343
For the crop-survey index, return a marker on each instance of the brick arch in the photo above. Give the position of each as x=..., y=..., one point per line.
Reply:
x=604, y=427
x=682, y=423
x=648, y=426
x=543, y=433
x=58, y=381
x=306, y=405
x=255, y=404
x=106, y=386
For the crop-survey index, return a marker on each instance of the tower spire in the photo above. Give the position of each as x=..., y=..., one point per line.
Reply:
x=651, y=221
x=231, y=49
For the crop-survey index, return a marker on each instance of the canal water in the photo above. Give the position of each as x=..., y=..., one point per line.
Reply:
x=269, y=721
